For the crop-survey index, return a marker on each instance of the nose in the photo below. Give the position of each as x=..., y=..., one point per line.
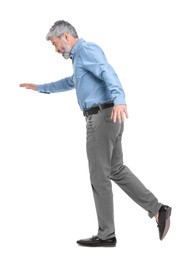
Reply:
x=57, y=50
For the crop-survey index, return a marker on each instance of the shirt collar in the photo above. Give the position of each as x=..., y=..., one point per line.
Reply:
x=76, y=47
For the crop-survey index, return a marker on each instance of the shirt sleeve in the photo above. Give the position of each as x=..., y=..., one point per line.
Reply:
x=97, y=64
x=57, y=86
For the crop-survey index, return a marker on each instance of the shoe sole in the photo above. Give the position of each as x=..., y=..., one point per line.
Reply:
x=98, y=245
x=167, y=223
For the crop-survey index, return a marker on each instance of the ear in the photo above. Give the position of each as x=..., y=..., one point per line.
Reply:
x=67, y=36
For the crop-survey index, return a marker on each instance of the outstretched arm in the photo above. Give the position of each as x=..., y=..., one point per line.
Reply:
x=53, y=87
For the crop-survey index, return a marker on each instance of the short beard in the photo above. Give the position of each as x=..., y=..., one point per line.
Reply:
x=66, y=50
x=66, y=55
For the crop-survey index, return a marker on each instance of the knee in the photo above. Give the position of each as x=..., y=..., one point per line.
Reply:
x=116, y=170
x=100, y=183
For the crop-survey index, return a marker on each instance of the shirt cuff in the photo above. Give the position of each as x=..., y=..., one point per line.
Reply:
x=119, y=101
x=42, y=89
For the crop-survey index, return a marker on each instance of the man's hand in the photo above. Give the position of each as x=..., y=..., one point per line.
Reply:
x=119, y=113
x=28, y=86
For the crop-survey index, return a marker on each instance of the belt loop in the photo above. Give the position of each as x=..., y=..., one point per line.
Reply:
x=100, y=107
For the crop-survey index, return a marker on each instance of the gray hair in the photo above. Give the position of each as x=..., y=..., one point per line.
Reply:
x=60, y=27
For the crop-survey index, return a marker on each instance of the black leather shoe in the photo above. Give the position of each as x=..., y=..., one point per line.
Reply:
x=95, y=241
x=164, y=220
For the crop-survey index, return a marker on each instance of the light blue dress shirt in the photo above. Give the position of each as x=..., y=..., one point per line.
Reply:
x=94, y=79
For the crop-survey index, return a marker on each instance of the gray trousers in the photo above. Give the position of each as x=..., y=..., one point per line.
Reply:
x=105, y=157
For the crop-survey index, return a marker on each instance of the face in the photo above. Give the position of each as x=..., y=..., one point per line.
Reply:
x=62, y=45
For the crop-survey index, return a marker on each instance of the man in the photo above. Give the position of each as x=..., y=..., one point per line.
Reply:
x=101, y=98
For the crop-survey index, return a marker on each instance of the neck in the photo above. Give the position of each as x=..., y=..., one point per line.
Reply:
x=74, y=41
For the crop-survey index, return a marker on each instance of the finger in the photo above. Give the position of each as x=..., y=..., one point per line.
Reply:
x=114, y=116
x=22, y=85
x=111, y=114
x=123, y=116
x=119, y=116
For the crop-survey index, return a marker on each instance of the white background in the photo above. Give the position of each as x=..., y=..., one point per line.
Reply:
x=46, y=202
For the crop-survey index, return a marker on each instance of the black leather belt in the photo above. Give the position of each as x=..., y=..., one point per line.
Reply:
x=95, y=110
